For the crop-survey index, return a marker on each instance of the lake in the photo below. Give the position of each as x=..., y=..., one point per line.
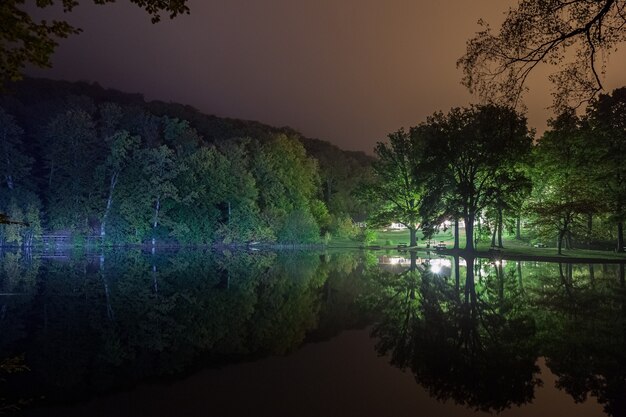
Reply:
x=295, y=333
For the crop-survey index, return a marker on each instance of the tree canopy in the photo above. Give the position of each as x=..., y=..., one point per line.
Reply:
x=473, y=154
x=576, y=36
x=26, y=40
x=89, y=163
x=397, y=192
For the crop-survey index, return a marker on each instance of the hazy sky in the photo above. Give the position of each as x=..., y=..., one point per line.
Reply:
x=347, y=71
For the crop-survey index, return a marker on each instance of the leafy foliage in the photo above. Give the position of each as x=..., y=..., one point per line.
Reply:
x=103, y=164
x=396, y=190
x=575, y=36
x=473, y=155
x=26, y=40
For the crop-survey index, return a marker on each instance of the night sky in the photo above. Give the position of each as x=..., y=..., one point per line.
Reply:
x=347, y=71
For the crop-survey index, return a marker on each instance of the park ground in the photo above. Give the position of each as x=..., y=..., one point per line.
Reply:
x=391, y=239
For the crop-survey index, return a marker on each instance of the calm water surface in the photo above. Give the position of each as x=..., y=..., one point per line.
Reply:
x=308, y=334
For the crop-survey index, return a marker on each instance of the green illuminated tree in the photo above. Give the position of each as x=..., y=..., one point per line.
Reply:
x=468, y=151
x=217, y=198
x=607, y=138
x=287, y=180
x=72, y=150
x=396, y=190
x=120, y=149
x=507, y=199
x=19, y=204
x=565, y=192
x=159, y=168
x=107, y=163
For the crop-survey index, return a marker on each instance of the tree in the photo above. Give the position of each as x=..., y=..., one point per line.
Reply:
x=607, y=135
x=71, y=150
x=19, y=203
x=146, y=193
x=469, y=149
x=565, y=192
x=121, y=147
x=15, y=164
x=507, y=199
x=287, y=180
x=160, y=169
x=26, y=40
x=342, y=174
x=218, y=198
x=397, y=190
x=461, y=344
x=571, y=34
x=179, y=135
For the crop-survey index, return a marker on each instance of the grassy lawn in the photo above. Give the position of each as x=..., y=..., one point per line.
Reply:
x=396, y=237
x=516, y=247
x=393, y=238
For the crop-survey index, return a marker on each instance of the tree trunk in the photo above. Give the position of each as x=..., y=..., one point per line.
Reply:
x=518, y=228
x=457, y=272
x=560, y=242
x=500, y=221
x=570, y=273
x=520, y=281
x=589, y=229
x=493, y=235
x=413, y=234
x=456, y=233
x=107, y=293
x=470, y=289
x=620, y=237
x=155, y=283
x=469, y=232
x=156, y=219
x=108, y=207
x=475, y=236
x=413, y=261
x=500, y=275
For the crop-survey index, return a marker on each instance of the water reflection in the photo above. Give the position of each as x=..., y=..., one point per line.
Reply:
x=475, y=336
x=471, y=331
x=92, y=323
x=467, y=343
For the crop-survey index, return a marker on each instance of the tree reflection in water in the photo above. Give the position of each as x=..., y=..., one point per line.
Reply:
x=584, y=336
x=477, y=341
x=92, y=323
x=477, y=348
x=471, y=332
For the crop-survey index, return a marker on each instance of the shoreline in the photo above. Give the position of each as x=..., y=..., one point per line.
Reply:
x=504, y=254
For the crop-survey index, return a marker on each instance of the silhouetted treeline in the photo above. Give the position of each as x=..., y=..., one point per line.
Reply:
x=81, y=160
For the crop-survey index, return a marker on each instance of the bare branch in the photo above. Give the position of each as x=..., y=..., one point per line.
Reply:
x=545, y=31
